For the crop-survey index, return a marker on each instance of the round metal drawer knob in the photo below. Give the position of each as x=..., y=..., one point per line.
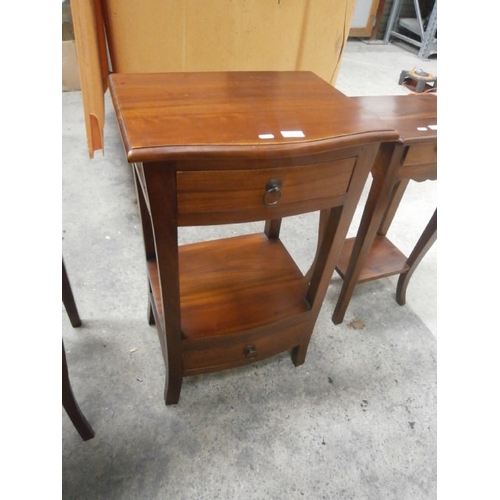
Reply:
x=250, y=351
x=273, y=193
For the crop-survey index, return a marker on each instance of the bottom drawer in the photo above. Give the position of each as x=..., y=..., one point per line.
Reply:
x=219, y=353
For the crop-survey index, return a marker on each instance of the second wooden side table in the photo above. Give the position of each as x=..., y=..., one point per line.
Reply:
x=371, y=255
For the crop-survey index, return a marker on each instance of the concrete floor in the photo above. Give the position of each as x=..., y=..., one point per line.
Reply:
x=356, y=421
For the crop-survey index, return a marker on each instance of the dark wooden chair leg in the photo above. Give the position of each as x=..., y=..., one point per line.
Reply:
x=425, y=242
x=71, y=406
x=69, y=300
x=68, y=399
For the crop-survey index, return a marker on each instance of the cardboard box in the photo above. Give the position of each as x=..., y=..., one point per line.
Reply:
x=70, y=72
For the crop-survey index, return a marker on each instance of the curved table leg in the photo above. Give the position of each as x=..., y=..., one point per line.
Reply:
x=71, y=406
x=425, y=242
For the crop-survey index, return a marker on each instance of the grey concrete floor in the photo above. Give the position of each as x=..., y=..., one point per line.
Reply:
x=356, y=421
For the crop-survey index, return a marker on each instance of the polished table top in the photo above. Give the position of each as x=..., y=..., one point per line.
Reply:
x=163, y=115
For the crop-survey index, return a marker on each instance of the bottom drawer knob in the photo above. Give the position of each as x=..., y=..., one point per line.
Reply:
x=250, y=351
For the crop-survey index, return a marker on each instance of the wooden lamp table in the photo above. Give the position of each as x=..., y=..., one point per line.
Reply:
x=231, y=147
x=371, y=255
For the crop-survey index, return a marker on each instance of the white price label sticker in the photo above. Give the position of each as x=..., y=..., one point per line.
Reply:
x=288, y=134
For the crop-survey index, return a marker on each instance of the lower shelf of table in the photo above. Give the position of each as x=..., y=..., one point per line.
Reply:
x=236, y=293
x=383, y=260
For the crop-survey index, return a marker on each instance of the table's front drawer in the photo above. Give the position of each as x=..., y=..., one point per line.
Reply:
x=258, y=194
x=420, y=163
